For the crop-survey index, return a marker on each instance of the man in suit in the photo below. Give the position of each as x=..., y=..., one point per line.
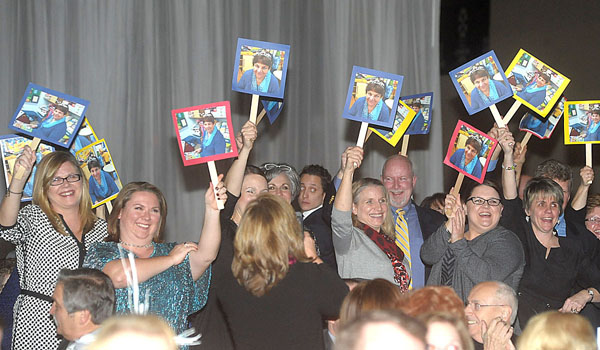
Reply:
x=82, y=300
x=399, y=179
x=316, y=200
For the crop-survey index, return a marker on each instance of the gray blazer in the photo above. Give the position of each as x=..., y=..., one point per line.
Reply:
x=357, y=256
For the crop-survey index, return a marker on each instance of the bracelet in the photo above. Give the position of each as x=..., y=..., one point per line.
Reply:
x=9, y=192
x=591, y=293
x=513, y=167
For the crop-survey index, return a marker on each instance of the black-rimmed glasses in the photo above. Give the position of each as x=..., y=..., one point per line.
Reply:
x=492, y=202
x=57, y=181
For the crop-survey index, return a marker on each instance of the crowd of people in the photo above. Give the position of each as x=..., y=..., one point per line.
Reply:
x=358, y=265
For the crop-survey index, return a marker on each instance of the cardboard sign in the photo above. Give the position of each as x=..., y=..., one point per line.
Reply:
x=582, y=122
x=100, y=172
x=404, y=117
x=542, y=128
x=422, y=104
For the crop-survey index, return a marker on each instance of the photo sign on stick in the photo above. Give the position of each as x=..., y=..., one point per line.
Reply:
x=534, y=83
x=542, y=128
x=12, y=146
x=404, y=116
x=372, y=96
x=49, y=115
x=100, y=172
x=260, y=68
x=470, y=151
x=481, y=83
x=272, y=108
x=85, y=137
x=205, y=133
x=582, y=122
x=422, y=104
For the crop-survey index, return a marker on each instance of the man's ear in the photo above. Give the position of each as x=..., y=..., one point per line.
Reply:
x=84, y=316
x=506, y=313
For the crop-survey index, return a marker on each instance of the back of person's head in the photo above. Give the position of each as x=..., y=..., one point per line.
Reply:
x=381, y=329
x=445, y=330
x=435, y=202
x=432, y=299
x=88, y=289
x=555, y=170
x=553, y=330
x=127, y=332
x=377, y=294
x=268, y=236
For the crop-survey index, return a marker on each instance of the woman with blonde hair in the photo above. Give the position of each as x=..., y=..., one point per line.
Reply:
x=52, y=233
x=146, y=332
x=446, y=331
x=274, y=296
x=377, y=294
x=553, y=330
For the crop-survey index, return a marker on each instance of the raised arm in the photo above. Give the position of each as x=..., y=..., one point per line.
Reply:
x=353, y=158
x=509, y=180
x=9, y=208
x=210, y=239
x=245, y=141
x=580, y=198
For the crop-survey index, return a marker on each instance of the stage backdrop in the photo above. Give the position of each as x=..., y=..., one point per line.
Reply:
x=136, y=60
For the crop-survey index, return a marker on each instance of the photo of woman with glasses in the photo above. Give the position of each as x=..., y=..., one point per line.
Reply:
x=52, y=233
x=464, y=255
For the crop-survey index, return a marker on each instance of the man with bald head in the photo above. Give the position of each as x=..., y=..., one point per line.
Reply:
x=399, y=179
x=491, y=311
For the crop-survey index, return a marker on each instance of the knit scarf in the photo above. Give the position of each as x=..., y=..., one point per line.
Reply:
x=264, y=86
x=374, y=115
x=467, y=167
x=493, y=93
x=104, y=185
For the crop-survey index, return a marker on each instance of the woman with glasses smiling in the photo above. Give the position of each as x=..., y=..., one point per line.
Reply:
x=52, y=233
x=464, y=255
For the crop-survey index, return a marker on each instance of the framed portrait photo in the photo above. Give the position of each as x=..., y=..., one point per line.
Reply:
x=582, y=122
x=49, y=115
x=534, y=83
x=100, y=172
x=260, y=68
x=205, y=133
x=85, y=137
x=272, y=108
x=12, y=146
x=404, y=117
x=470, y=151
x=481, y=83
x=543, y=127
x=422, y=104
x=372, y=96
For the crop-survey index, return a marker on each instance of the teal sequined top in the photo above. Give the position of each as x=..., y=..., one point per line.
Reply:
x=173, y=293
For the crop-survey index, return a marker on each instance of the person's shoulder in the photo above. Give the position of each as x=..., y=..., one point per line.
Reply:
x=429, y=213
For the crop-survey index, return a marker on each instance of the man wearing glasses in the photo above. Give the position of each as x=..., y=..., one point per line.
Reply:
x=491, y=311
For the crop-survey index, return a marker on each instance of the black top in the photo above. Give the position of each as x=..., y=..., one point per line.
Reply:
x=290, y=315
x=546, y=282
x=319, y=223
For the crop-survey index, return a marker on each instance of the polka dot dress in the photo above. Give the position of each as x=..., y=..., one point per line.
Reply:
x=41, y=253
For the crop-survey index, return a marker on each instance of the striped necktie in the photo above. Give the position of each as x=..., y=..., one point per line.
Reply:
x=402, y=240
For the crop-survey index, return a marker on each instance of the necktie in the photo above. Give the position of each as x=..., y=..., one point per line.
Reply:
x=402, y=240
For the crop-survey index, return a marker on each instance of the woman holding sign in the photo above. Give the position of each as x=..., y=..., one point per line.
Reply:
x=50, y=234
x=176, y=276
x=363, y=232
x=260, y=78
x=555, y=266
x=102, y=184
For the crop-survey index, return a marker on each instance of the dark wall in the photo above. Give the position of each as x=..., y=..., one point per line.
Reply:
x=561, y=34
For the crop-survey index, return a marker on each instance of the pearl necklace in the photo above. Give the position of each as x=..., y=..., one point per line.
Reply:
x=149, y=245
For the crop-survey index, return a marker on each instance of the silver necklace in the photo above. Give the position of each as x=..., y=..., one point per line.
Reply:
x=149, y=245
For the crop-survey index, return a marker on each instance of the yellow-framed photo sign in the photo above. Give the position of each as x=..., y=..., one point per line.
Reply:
x=100, y=172
x=534, y=83
x=582, y=122
x=404, y=117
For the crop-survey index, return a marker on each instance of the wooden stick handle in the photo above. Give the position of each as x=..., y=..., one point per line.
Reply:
x=497, y=116
x=34, y=146
x=404, y=149
x=369, y=132
x=525, y=139
x=260, y=116
x=214, y=178
x=253, y=109
x=511, y=112
x=458, y=183
x=109, y=207
x=364, y=126
x=588, y=154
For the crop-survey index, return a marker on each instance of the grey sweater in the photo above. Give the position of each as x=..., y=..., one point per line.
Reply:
x=496, y=255
x=356, y=254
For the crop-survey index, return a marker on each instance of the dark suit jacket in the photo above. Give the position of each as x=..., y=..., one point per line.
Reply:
x=319, y=223
x=429, y=220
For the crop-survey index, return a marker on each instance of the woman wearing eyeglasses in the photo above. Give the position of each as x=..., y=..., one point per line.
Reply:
x=464, y=255
x=555, y=266
x=592, y=218
x=52, y=233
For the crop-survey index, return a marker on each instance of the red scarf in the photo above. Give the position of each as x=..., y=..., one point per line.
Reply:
x=393, y=252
